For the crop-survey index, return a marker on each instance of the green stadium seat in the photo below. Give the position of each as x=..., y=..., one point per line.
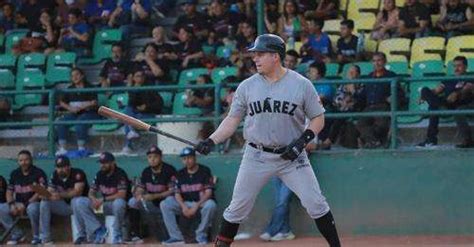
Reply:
x=302, y=68
x=189, y=75
x=14, y=37
x=174, y=75
x=113, y=103
x=58, y=67
x=7, y=68
x=400, y=68
x=102, y=45
x=208, y=50
x=332, y=70
x=2, y=40
x=31, y=78
x=180, y=109
x=428, y=68
x=219, y=74
x=365, y=68
x=414, y=96
x=225, y=50
x=167, y=99
x=31, y=60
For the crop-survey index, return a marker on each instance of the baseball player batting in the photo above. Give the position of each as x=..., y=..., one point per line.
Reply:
x=275, y=103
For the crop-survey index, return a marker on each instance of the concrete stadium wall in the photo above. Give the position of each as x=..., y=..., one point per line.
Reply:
x=370, y=192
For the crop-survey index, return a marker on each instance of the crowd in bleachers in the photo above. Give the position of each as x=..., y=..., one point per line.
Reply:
x=162, y=42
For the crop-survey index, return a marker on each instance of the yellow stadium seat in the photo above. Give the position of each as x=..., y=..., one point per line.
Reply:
x=370, y=45
x=364, y=22
x=427, y=48
x=460, y=46
x=332, y=26
x=334, y=39
x=400, y=3
x=435, y=18
x=358, y=7
x=395, y=49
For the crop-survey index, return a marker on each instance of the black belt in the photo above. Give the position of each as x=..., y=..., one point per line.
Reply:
x=267, y=149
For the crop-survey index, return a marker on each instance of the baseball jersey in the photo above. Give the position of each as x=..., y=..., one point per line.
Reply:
x=275, y=112
x=110, y=184
x=159, y=182
x=63, y=185
x=20, y=184
x=191, y=186
x=3, y=190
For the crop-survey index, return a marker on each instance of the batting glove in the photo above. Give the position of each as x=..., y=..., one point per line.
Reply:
x=205, y=147
x=295, y=148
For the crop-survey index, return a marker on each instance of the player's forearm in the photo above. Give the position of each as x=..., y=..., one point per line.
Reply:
x=316, y=124
x=206, y=196
x=226, y=129
x=121, y=194
x=34, y=198
x=9, y=196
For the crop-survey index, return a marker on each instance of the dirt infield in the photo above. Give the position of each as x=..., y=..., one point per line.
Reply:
x=366, y=241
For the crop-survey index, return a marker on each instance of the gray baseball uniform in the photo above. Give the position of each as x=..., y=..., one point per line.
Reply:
x=275, y=116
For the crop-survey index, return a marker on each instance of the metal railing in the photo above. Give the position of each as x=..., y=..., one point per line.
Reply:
x=216, y=117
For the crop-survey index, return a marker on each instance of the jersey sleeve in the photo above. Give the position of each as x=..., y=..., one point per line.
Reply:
x=42, y=179
x=122, y=183
x=238, y=107
x=172, y=179
x=312, y=103
x=208, y=180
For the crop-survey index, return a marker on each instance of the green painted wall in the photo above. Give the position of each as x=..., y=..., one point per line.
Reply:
x=370, y=192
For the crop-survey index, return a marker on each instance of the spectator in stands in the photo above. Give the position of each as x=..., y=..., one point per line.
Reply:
x=141, y=104
x=5, y=108
x=188, y=49
x=29, y=14
x=79, y=106
x=156, y=183
x=97, y=12
x=156, y=70
x=164, y=48
x=291, y=59
x=115, y=70
x=317, y=46
x=68, y=186
x=374, y=130
x=347, y=50
x=76, y=35
x=62, y=10
x=387, y=21
x=453, y=94
x=202, y=97
x=414, y=20
x=194, y=192
x=49, y=32
x=21, y=199
x=456, y=19
x=327, y=9
x=113, y=187
x=271, y=16
x=246, y=35
x=432, y=5
x=292, y=22
x=7, y=20
x=223, y=21
x=246, y=67
x=191, y=19
x=132, y=16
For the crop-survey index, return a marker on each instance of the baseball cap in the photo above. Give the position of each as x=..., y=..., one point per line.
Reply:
x=154, y=150
x=106, y=157
x=187, y=151
x=62, y=161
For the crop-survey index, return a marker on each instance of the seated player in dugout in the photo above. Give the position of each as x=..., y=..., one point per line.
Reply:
x=67, y=188
x=155, y=184
x=194, y=192
x=112, y=184
x=21, y=199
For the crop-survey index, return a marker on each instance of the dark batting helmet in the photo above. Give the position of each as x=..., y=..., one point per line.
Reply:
x=269, y=43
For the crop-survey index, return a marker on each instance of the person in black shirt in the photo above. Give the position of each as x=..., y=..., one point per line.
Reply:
x=202, y=98
x=454, y=94
x=374, y=130
x=223, y=21
x=3, y=189
x=21, y=199
x=455, y=19
x=156, y=70
x=115, y=70
x=194, y=191
x=347, y=45
x=414, y=19
x=164, y=48
x=188, y=49
x=156, y=183
x=80, y=106
x=191, y=19
x=67, y=184
x=141, y=104
x=112, y=183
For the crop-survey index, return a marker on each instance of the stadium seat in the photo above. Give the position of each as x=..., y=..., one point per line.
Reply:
x=219, y=74
x=362, y=8
x=370, y=45
x=113, y=103
x=58, y=67
x=2, y=40
x=31, y=61
x=334, y=39
x=189, y=75
x=180, y=109
x=102, y=45
x=413, y=100
x=224, y=51
x=30, y=79
x=428, y=68
x=302, y=68
x=427, y=48
x=332, y=70
x=332, y=26
x=396, y=49
x=460, y=46
x=7, y=71
x=364, y=23
x=399, y=3
x=470, y=67
x=208, y=50
x=167, y=100
x=400, y=68
x=12, y=38
x=365, y=68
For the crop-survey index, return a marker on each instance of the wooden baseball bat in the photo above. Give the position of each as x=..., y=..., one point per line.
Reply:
x=138, y=124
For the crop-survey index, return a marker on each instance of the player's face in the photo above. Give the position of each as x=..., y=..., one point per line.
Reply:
x=63, y=172
x=189, y=161
x=154, y=160
x=24, y=161
x=264, y=61
x=459, y=68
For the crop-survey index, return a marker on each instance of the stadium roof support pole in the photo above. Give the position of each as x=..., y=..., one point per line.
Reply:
x=393, y=111
x=260, y=17
x=51, y=106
